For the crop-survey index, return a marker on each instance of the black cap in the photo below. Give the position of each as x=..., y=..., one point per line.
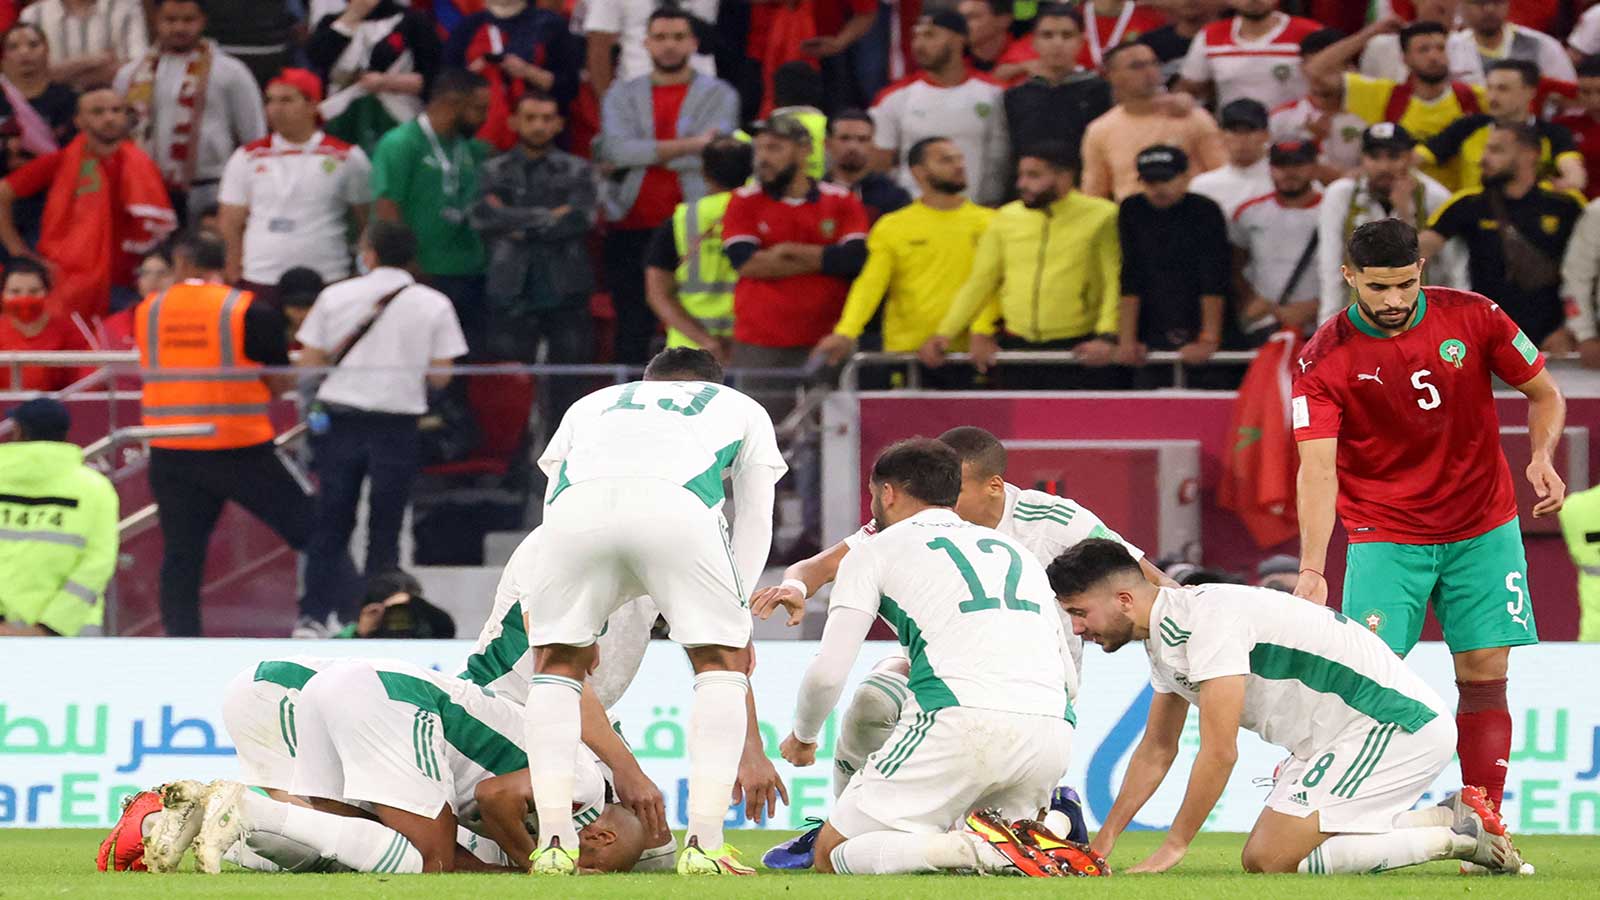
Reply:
x=1386, y=136
x=43, y=419
x=1162, y=162
x=948, y=19
x=1243, y=113
x=299, y=286
x=786, y=127
x=1293, y=153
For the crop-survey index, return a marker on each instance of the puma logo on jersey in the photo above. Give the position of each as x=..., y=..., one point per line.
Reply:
x=1373, y=377
x=1303, y=365
x=1502, y=764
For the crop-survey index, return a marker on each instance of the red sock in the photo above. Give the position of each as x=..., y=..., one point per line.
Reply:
x=1483, y=735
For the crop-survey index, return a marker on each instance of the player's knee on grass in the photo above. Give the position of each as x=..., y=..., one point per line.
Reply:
x=1279, y=842
x=613, y=842
x=828, y=840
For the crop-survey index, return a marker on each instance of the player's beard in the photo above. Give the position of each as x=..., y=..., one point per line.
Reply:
x=1113, y=640
x=1393, y=318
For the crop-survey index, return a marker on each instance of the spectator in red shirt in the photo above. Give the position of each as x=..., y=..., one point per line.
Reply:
x=837, y=44
x=988, y=32
x=25, y=324
x=1585, y=122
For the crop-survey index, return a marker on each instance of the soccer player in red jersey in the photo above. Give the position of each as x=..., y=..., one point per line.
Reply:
x=1393, y=410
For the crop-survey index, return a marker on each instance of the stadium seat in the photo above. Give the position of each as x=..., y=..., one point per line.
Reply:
x=501, y=405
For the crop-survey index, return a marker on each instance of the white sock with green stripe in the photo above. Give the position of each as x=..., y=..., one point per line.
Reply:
x=716, y=741
x=553, y=727
x=899, y=853
x=867, y=724
x=1360, y=854
x=361, y=845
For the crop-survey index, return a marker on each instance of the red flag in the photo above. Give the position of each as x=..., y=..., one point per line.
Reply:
x=1258, y=473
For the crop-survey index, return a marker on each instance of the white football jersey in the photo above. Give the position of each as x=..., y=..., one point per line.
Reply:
x=972, y=608
x=686, y=432
x=1313, y=675
x=501, y=660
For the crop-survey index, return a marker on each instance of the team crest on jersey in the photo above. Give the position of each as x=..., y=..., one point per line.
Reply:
x=1349, y=133
x=827, y=226
x=983, y=110
x=328, y=165
x=1453, y=352
x=1373, y=619
x=1550, y=224
x=1282, y=72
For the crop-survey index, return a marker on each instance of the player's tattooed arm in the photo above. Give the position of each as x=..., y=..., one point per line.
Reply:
x=1221, y=706
x=1147, y=767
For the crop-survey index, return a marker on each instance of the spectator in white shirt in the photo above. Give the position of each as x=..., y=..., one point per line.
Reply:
x=613, y=24
x=946, y=100
x=89, y=39
x=1585, y=37
x=1491, y=36
x=1320, y=116
x=364, y=424
x=1254, y=54
x=286, y=199
x=1275, y=246
x=1247, y=175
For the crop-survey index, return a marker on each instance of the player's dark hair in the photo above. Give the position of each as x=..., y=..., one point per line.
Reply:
x=1087, y=563
x=919, y=150
x=796, y=84
x=1058, y=155
x=1527, y=70
x=393, y=242
x=1418, y=29
x=977, y=447
x=1059, y=11
x=535, y=95
x=1320, y=40
x=853, y=114
x=205, y=251
x=1589, y=66
x=1384, y=244
x=922, y=467
x=24, y=266
x=1525, y=134
x=456, y=83
x=727, y=161
x=683, y=364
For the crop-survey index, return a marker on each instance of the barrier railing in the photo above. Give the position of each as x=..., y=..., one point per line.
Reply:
x=850, y=375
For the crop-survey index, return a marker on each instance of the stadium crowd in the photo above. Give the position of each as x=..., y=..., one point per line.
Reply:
x=781, y=183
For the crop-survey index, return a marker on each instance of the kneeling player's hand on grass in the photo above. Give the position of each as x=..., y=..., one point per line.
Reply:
x=768, y=600
x=1165, y=857
x=1548, y=485
x=798, y=752
x=636, y=791
x=759, y=786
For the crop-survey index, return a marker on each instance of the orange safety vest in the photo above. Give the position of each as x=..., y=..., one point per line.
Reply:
x=201, y=326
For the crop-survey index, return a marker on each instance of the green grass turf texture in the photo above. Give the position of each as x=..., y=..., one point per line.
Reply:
x=60, y=863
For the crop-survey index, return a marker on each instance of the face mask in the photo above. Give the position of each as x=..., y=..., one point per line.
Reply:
x=26, y=310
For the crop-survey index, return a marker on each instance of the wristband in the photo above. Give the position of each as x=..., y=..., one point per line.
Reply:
x=1314, y=572
x=798, y=585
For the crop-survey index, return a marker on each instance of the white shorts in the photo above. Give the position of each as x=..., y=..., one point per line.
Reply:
x=606, y=540
x=259, y=711
x=1368, y=776
x=937, y=767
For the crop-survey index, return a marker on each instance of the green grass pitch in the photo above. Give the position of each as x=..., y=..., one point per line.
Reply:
x=60, y=863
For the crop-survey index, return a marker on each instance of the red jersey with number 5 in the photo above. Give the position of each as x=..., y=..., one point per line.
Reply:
x=1419, y=442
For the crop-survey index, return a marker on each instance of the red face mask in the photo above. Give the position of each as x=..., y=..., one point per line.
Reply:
x=26, y=310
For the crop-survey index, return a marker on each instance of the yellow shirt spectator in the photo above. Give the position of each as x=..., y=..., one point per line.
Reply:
x=919, y=256
x=1374, y=99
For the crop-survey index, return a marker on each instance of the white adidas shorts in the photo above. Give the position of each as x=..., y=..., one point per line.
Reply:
x=1360, y=782
x=937, y=767
x=259, y=711
x=606, y=540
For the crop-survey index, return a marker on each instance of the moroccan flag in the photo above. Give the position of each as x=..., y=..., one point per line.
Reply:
x=100, y=216
x=1258, y=473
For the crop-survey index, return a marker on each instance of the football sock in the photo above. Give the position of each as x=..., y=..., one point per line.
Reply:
x=1425, y=817
x=1358, y=854
x=899, y=853
x=1483, y=735
x=658, y=859
x=552, y=727
x=148, y=824
x=867, y=723
x=716, y=741
x=361, y=845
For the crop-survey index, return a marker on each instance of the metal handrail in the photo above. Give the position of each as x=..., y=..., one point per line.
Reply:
x=849, y=376
x=142, y=433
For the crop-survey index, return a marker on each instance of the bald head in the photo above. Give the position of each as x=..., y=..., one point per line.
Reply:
x=613, y=842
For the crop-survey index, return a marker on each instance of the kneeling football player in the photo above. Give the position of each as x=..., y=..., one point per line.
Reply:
x=1366, y=735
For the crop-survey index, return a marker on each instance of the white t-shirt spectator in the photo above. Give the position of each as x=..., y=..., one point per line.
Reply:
x=1230, y=186
x=298, y=195
x=1585, y=37
x=1276, y=236
x=1468, y=61
x=970, y=114
x=113, y=26
x=1341, y=149
x=1266, y=69
x=419, y=325
x=628, y=20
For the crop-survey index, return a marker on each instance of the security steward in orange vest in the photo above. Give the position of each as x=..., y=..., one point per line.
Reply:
x=200, y=323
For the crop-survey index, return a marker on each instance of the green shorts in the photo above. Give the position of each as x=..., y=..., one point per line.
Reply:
x=1478, y=587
